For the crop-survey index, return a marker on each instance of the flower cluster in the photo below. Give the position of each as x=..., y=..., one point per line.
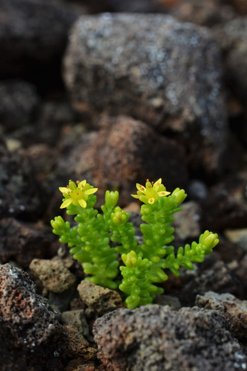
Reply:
x=143, y=265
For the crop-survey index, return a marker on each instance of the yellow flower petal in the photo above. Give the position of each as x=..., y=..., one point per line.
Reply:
x=63, y=189
x=82, y=184
x=163, y=193
x=66, y=203
x=72, y=185
x=135, y=196
x=157, y=184
x=151, y=201
x=82, y=203
x=91, y=191
x=140, y=187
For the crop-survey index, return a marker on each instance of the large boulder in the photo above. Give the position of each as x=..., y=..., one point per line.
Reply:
x=152, y=68
x=158, y=338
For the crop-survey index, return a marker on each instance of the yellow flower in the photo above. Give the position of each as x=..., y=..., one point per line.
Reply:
x=152, y=192
x=76, y=194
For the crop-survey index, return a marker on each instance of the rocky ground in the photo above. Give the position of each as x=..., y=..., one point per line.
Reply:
x=149, y=89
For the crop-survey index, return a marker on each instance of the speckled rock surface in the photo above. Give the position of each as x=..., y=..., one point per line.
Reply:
x=18, y=103
x=123, y=153
x=155, y=69
x=21, y=243
x=20, y=193
x=30, y=335
x=158, y=338
x=53, y=274
x=99, y=299
x=232, y=308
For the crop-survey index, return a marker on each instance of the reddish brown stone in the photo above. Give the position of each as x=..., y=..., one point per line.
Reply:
x=124, y=153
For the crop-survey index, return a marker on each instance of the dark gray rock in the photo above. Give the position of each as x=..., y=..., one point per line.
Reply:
x=30, y=335
x=155, y=69
x=232, y=40
x=160, y=339
x=18, y=104
x=32, y=32
x=20, y=193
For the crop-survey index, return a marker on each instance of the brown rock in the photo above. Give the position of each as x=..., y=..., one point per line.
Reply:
x=78, y=346
x=79, y=364
x=53, y=274
x=30, y=335
x=124, y=153
x=77, y=319
x=21, y=242
x=233, y=309
x=101, y=300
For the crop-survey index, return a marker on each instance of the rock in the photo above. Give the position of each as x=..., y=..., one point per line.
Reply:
x=158, y=338
x=79, y=364
x=187, y=222
x=76, y=318
x=135, y=6
x=225, y=207
x=33, y=36
x=231, y=38
x=197, y=190
x=213, y=275
x=18, y=103
x=238, y=236
x=30, y=335
x=20, y=193
x=239, y=5
x=127, y=152
x=154, y=69
x=53, y=274
x=99, y=299
x=241, y=272
x=233, y=309
x=204, y=13
x=78, y=346
x=172, y=301
x=21, y=242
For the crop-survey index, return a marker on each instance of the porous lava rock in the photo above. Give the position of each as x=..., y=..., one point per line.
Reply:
x=158, y=338
x=31, y=338
x=21, y=243
x=53, y=274
x=155, y=69
x=232, y=308
x=122, y=154
x=100, y=299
